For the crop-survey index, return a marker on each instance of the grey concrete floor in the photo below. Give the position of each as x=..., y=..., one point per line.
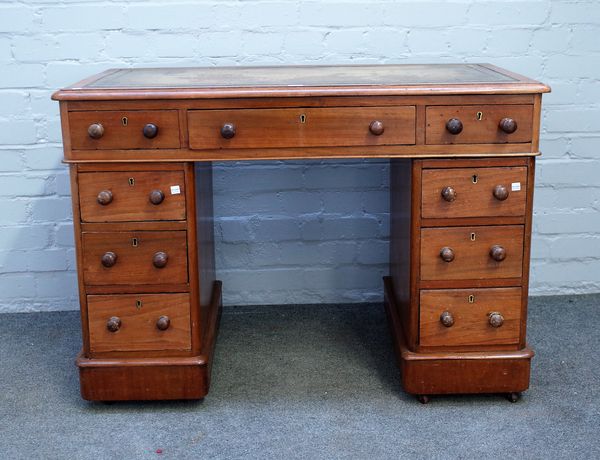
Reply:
x=304, y=382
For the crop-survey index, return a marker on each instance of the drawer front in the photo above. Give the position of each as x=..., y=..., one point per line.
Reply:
x=486, y=130
x=131, y=196
x=474, y=192
x=301, y=127
x=452, y=253
x=91, y=130
x=453, y=317
x=144, y=257
x=139, y=322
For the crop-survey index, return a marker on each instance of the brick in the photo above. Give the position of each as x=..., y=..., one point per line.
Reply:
x=257, y=179
x=347, y=41
x=423, y=41
x=88, y=18
x=14, y=262
x=554, y=148
x=220, y=44
x=56, y=284
x=304, y=43
x=14, y=212
x=335, y=228
x=374, y=252
x=269, y=14
x=414, y=15
x=586, y=147
x=466, y=40
x=15, y=132
x=339, y=14
x=17, y=19
x=572, y=120
x=51, y=209
x=575, y=12
x=13, y=103
x=559, y=66
x=567, y=222
x=161, y=45
x=512, y=13
x=580, y=172
x=20, y=185
x=5, y=50
x=25, y=237
x=47, y=260
x=44, y=158
x=57, y=47
x=22, y=75
x=508, y=42
x=17, y=286
x=12, y=161
x=563, y=93
x=551, y=40
x=169, y=16
x=64, y=236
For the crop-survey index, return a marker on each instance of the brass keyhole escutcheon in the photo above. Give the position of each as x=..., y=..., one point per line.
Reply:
x=471, y=298
x=138, y=304
x=474, y=178
x=131, y=181
x=124, y=121
x=472, y=236
x=134, y=242
x=479, y=116
x=302, y=118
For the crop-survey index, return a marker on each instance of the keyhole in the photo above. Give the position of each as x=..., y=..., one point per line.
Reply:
x=134, y=242
x=138, y=304
x=474, y=178
x=472, y=236
x=302, y=118
x=479, y=116
x=471, y=298
x=131, y=181
x=124, y=121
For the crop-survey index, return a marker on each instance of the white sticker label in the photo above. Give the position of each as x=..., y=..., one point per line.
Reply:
x=516, y=186
x=175, y=190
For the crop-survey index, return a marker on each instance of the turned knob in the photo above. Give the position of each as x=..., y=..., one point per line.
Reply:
x=449, y=194
x=109, y=259
x=447, y=254
x=156, y=196
x=498, y=253
x=447, y=319
x=376, y=127
x=496, y=319
x=508, y=125
x=228, y=130
x=454, y=126
x=160, y=259
x=96, y=131
x=150, y=131
x=104, y=197
x=163, y=323
x=113, y=324
x=500, y=192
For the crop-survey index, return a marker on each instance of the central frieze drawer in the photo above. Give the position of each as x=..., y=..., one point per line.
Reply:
x=135, y=257
x=454, y=253
x=301, y=127
x=115, y=196
x=139, y=322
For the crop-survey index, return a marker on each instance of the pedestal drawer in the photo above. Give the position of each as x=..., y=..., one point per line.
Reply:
x=126, y=129
x=454, y=317
x=131, y=196
x=135, y=257
x=139, y=322
x=479, y=124
x=453, y=253
x=301, y=127
x=474, y=192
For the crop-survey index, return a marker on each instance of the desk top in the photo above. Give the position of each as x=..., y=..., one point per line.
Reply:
x=291, y=81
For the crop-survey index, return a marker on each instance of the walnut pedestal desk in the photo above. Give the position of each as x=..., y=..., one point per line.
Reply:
x=461, y=140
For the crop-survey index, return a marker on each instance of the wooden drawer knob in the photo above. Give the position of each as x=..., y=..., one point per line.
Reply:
x=449, y=194
x=498, y=253
x=454, y=126
x=157, y=196
x=447, y=319
x=109, y=259
x=113, y=324
x=500, y=192
x=496, y=319
x=104, y=197
x=447, y=254
x=228, y=130
x=163, y=323
x=376, y=127
x=150, y=131
x=96, y=131
x=160, y=259
x=508, y=125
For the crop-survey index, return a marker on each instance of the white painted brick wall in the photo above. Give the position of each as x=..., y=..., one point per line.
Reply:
x=302, y=231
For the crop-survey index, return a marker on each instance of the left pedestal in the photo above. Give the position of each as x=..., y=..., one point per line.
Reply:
x=150, y=304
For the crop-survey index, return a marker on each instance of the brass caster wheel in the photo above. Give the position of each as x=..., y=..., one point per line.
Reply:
x=514, y=397
x=423, y=399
